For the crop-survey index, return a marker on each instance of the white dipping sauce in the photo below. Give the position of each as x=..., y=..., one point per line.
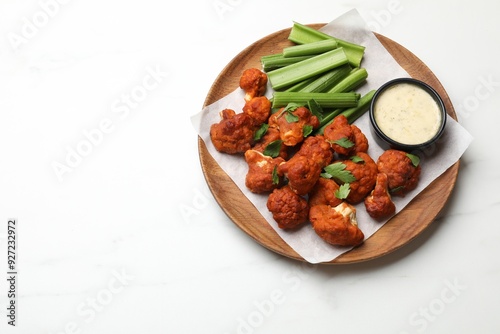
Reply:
x=407, y=114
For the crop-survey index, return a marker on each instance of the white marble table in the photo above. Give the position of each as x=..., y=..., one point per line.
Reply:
x=117, y=230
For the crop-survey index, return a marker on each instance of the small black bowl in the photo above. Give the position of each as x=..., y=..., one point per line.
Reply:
x=384, y=140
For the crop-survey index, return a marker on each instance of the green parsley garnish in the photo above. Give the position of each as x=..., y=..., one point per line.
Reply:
x=261, y=132
x=395, y=190
x=276, y=178
x=357, y=159
x=338, y=172
x=315, y=109
x=307, y=130
x=343, y=191
x=344, y=142
x=292, y=107
x=415, y=160
x=289, y=116
x=273, y=148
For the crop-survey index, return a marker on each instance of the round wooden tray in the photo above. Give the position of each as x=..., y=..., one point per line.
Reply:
x=398, y=231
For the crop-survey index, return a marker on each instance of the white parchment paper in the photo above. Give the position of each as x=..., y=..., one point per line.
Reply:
x=381, y=68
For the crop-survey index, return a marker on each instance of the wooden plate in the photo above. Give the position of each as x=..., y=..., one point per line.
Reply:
x=415, y=217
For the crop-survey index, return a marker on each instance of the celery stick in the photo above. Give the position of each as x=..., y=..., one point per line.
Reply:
x=302, y=34
x=308, y=49
x=352, y=114
x=301, y=85
x=355, y=78
x=271, y=62
x=325, y=100
x=364, y=102
x=328, y=80
x=291, y=74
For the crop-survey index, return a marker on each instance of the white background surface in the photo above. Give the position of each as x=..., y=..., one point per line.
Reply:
x=130, y=240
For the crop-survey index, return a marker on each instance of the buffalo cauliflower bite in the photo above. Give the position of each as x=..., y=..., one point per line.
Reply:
x=254, y=82
x=379, y=203
x=339, y=129
x=271, y=135
x=301, y=172
x=304, y=169
x=360, y=140
x=292, y=131
x=258, y=108
x=402, y=175
x=289, y=210
x=262, y=173
x=234, y=133
x=317, y=149
x=336, y=225
x=365, y=173
x=324, y=193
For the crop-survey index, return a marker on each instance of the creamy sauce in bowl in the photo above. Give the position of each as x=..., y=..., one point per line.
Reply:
x=407, y=114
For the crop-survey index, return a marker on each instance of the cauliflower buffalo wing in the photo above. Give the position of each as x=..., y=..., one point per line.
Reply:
x=379, y=203
x=254, y=82
x=360, y=140
x=402, y=175
x=258, y=108
x=289, y=210
x=317, y=149
x=336, y=225
x=234, y=133
x=271, y=135
x=324, y=193
x=365, y=173
x=291, y=124
x=262, y=173
x=339, y=129
x=304, y=169
x=302, y=173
